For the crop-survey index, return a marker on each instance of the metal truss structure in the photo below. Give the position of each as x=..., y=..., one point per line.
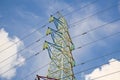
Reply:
x=60, y=51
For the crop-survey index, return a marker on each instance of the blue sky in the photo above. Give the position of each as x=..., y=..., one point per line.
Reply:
x=20, y=18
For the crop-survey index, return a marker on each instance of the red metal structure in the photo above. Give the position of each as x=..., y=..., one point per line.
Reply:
x=44, y=78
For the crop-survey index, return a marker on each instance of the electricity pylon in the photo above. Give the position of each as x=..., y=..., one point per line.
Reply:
x=60, y=50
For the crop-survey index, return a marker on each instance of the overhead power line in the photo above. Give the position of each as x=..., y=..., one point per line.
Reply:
x=21, y=50
x=20, y=63
x=98, y=40
x=48, y=63
x=21, y=39
x=39, y=29
x=88, y=43
x=73, y=37
x=92, y=2
x=38, y=41
x=69, y=28
x=94, y=59
x=104, y=10
x=31, y=49
x=47, y=23
x=24, y=37
x=75, y=10
x=95, y=41
x=77, y=48
x=93, y=29
x=106, y=75
x=82, y=63
x=36, y=71
x=88, y=69
x=91, y=42
x=72, y=74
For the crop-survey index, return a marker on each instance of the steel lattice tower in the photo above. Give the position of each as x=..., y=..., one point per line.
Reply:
x=60, y=50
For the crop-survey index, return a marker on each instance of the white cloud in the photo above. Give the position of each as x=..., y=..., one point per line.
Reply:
x=11, y=62
x=106, y=69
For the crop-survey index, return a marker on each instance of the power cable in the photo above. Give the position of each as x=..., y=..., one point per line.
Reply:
x=36, y=71
x=47, y=23
x=105, y=75
x=82, y=63
x=88, y=69
x=94, y=1
x=22, y=39
x=72, y=74
x=21, y=50
x=98, y=40
x=20, y=63
x=69, y=28
x=94, y=59
x=91, y=42
x=94, y=14
x=31, y=49
x=35, y=31
x=96, y=28
x=41, y=28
